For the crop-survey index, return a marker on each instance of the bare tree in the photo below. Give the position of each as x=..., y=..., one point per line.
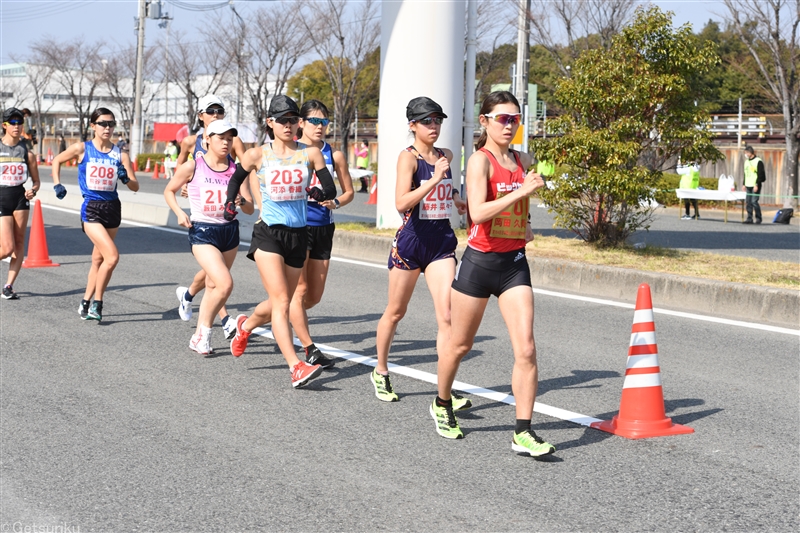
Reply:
x=119, y=73
x=77, y=68
x=768, y=28
x=264, y=59
x=496, y=26
x=37, y=77
x=197, y=70
x=345, y=40
x=574, y=21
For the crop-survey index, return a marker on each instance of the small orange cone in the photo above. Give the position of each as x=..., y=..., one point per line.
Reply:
x=37, y=244
x=641, y=409
x=49, y=160
x=373, y=191
x=155, y=171
x=135, y=166
x=147, y=166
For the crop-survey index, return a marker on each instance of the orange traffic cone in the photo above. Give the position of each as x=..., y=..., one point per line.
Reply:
x=373, y=191
x=147, y=166
x=155, y=171
x=37, y=244
x=49, y=160
x=135, y=166
x=641, y=409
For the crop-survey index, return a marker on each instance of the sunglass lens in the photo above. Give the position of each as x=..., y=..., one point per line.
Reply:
x=107, y=123
x=316, y=121
x=15, y=122
x=215, y=111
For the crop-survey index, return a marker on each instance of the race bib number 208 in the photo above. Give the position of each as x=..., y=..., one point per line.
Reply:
x=101, y=176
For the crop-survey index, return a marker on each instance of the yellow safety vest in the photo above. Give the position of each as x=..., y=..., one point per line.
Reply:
x=690, y=180
x=751, y=171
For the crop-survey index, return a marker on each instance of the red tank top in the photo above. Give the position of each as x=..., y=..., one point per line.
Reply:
x=505, y=232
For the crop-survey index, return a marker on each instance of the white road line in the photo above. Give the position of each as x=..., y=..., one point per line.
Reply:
x=427, y=377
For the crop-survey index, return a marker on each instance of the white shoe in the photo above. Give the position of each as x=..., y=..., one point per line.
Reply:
x=201, y=343
x=229, y=328
x=184, y=305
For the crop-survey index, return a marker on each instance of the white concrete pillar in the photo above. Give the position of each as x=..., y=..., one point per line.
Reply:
x=422, y=54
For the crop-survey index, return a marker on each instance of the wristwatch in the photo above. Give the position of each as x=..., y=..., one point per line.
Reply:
x=336, y=202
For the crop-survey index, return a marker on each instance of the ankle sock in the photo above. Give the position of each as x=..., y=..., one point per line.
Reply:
x=444, y=403
x=225, y=319
x=85, y=304
x=310, y=348
x=522, y=425
x=188, y=297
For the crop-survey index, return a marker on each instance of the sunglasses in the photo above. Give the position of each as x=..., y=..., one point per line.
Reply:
x=316, y=121
x=286, y=120
x=15, y=122
x=506, y=118
x=427, y=121
x=107, y=123
x=215, y=111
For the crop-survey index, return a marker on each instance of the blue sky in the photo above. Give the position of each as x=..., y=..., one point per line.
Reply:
x=25, y=21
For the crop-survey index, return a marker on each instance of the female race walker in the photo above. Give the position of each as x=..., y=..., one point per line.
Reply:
x=210, y=109
x=495, y=264
x=214, y=240
x=311, y=284
x=100, y=165
x=280, y=238
x=16, y=164
x=425, y=241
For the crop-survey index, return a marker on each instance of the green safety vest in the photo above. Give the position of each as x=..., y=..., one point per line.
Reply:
x=751, y=171
x=545, y=168
x=690, y=180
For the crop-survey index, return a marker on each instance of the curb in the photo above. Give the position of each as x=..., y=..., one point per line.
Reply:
x=738, y=301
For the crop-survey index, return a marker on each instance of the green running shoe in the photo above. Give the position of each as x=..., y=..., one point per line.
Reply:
x=459, y=402
x=383, y=387
x=530, y=443
x=446, y=422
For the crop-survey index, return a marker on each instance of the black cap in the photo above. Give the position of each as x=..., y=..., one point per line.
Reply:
x=12, y=112
x=282, y=105
x=421, y=107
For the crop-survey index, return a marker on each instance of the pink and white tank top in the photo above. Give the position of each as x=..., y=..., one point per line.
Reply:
x=207, y=192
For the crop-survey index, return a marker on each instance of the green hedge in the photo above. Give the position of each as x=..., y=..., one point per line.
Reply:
x=669, y=182
x=141, y=159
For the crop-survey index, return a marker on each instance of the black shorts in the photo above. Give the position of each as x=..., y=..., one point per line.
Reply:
x=482, y=274
x=13, y=199
x=289, y=243
x=223, y=237
x=105, y=212
x=320, y=241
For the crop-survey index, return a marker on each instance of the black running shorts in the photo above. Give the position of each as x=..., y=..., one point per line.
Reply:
x=320, y=241
x=13, y=199
x=105, y=212
x=483, y=274
x=289, y=243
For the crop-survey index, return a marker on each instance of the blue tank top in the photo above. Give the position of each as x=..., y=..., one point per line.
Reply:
x=319, y=215
x=198, y=146
x=432, y=214
x=283, y=183
x=97, y=172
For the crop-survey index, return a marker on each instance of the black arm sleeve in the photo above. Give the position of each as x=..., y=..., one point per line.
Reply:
x=762, y=175
x=239, y=175
x=326, y=180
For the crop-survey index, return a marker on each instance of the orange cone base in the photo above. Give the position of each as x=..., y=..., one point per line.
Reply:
x=38, y=263
x=637, y=429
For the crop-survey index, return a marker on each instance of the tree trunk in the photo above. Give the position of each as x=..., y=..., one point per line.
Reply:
x=790, y=170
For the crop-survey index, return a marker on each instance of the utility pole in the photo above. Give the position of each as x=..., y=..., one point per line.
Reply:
x=239, y=60
x=521, y=78
x=136, y=146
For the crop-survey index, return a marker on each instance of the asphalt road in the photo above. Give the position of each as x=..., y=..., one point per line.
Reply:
x=709, y=234
x=120, y=427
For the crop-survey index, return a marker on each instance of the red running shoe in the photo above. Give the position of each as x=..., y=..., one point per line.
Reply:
x=302, y=373
x=239, y=341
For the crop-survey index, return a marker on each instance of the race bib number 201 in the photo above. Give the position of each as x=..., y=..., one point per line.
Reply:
x=101, y=176
x=13, y=174
x=286, y=183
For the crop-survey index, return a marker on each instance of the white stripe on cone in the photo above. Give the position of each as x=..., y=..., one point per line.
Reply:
x=643, y=361
x=643, y=315
x=638, y=381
